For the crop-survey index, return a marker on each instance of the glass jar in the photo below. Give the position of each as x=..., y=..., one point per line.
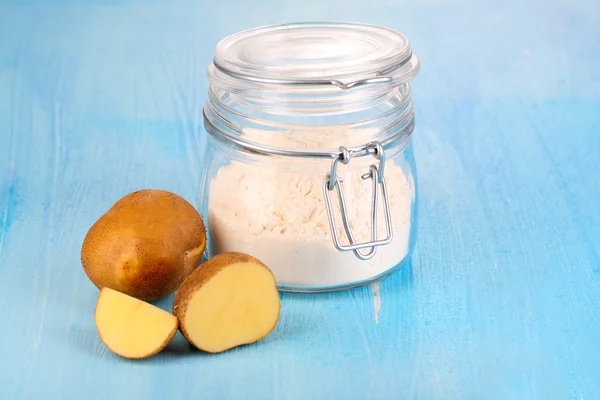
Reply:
x=309, y=165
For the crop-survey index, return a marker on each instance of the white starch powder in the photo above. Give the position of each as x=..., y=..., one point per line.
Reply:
x=278, y=215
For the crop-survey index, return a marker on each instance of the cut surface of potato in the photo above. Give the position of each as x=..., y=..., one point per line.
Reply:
x=130, y=327
x=230, y=300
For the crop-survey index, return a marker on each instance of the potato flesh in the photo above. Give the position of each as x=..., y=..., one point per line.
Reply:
x=239, y=305
x=130, y=327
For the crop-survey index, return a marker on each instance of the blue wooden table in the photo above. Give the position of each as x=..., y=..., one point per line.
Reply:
x=502, y=298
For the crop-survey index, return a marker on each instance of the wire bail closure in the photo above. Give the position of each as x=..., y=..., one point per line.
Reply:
x=332, y=181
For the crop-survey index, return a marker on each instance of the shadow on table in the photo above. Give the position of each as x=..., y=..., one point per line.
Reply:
x=297, y=317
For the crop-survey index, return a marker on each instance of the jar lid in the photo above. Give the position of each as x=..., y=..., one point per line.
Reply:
x=342, y=54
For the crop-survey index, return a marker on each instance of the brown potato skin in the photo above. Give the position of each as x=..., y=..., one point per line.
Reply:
x=145, y=245
x=203, y=274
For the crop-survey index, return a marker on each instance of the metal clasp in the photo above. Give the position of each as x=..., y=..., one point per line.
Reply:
x=332, y=181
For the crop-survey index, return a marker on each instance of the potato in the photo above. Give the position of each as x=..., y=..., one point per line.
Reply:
x=130, y=327
x=230, y=300
x=145, y=245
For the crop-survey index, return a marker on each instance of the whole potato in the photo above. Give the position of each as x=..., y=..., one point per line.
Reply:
x=145, y=245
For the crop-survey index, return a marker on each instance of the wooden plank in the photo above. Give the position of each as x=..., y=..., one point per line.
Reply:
x=501, y=298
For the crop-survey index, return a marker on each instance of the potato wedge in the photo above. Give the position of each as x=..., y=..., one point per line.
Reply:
x=130, y=327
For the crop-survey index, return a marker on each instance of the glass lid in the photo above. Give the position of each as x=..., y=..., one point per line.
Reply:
x=313, y=53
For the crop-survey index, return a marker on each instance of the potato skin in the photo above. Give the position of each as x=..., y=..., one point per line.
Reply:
x=145, y=245
x=203, y=274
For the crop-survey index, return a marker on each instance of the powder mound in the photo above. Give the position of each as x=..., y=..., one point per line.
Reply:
x=279, y=216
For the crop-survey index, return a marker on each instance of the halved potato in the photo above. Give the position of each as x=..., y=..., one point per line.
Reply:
x=230, y=300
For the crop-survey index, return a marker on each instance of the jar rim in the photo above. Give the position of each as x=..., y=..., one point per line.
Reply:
x=339, y=55
x=400, y=135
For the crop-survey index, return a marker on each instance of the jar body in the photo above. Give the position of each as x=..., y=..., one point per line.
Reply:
x=309, y=166
x=274, y=209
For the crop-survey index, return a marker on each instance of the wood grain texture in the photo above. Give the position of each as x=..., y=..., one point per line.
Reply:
x=502, y=298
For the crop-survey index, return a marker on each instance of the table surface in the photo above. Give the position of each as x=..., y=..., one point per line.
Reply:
x=501, y=299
